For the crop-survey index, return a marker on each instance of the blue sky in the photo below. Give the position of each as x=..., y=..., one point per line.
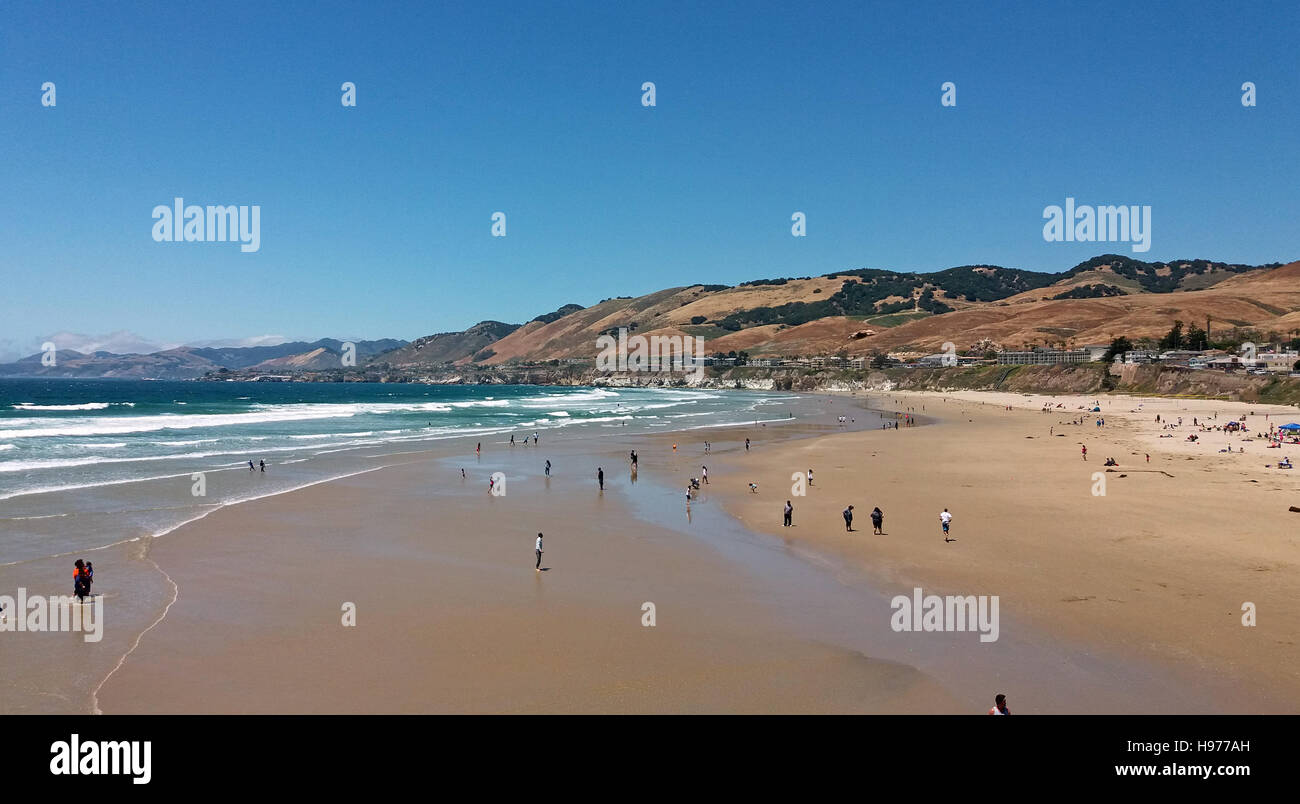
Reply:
x=376, y=219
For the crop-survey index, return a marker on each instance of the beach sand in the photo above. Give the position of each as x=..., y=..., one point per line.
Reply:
x=452, y=617
x=1119, y=603
x=1156, y=570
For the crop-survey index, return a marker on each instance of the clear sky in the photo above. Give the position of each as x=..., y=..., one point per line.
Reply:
x=375, y=220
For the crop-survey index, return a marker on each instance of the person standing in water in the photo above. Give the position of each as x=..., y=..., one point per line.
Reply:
x=538, y=550
x=478, y=448
x=79, y=580
x=262, y=464
x=600, y=477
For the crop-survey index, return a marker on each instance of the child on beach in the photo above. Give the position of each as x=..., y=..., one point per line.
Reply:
x=945, y=519
x=848, y=519
x=877, y=520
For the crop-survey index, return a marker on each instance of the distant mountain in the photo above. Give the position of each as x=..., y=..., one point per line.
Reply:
x=244, y=357
x=173, y=364
x=447, y=347
x=184, y=363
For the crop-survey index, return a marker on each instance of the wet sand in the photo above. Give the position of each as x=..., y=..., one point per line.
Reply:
x=452, y=617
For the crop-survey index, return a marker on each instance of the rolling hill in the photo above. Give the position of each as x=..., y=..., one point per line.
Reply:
x=864, y=311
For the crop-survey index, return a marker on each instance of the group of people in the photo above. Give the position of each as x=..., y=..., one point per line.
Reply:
x=83, y=575
x=251, y=468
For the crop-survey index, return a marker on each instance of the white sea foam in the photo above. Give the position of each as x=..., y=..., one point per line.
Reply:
x=83, y=406
x=117, y=425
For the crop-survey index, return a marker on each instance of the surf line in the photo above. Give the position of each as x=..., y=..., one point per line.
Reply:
x=176, y=590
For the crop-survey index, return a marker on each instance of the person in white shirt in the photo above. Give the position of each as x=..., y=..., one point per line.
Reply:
x=539, y=553
x=945, y=518
x=704, y=473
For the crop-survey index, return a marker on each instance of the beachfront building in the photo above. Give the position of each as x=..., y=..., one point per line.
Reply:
x=1044, y=357
x=1277, y=361
x=1137, y=356
x=941, y=359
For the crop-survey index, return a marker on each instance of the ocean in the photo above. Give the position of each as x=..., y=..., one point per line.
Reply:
x=90, y=463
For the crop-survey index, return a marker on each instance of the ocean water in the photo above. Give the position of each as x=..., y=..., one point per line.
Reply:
x=90, y=463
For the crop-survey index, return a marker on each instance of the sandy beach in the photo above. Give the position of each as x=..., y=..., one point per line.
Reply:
x=1157, y=569
x=1127, y=602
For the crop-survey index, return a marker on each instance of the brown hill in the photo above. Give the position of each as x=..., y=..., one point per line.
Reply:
x=861, y=312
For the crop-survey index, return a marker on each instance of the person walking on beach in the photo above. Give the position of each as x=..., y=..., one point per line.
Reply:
x=810, y=478
x=789, y=513
x=79, y=580
x=878, y=520
x=1085, y=452
x=848, y=519
x=548, y=467
x=1000, y=705
x=945, y=519
x=262, y=464
x=250, y=466
x=512, y=439
x=90, y=577
x=746, y=445
x=600, y=477
x=704, y=474
x=478, y=448
x=538, y=550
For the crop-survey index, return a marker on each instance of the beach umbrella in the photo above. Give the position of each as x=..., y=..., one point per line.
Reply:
x=1291, y=426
